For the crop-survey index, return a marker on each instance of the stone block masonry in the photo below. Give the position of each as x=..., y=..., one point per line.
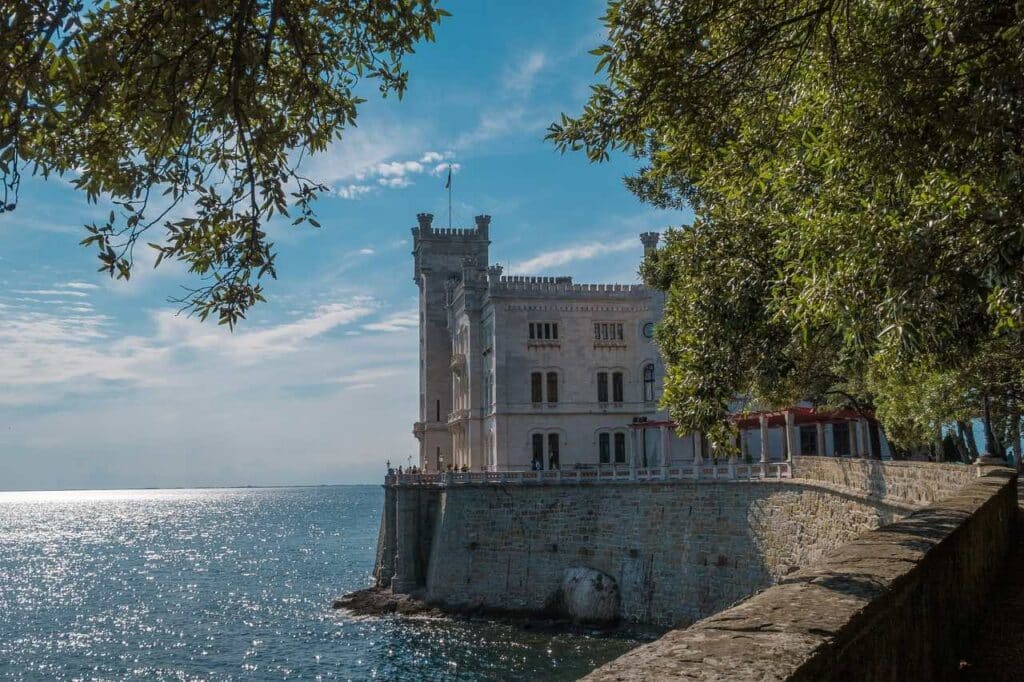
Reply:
x=679, y=551
x=892, y=604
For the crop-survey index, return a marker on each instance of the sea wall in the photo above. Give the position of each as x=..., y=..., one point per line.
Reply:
x=891, y=604
x=679, y=550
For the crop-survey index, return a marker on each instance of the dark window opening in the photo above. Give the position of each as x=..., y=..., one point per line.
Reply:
x=620, y=448
x=536, y=381
x=602, y=387
x=604, y=448
x=437, y=412
x=809, y=440
x=648, y=383
x=538, y=452
x=552, y=387
x=617, y=387
x=552, y=451
x=554, y=330
x=841, y=439
x=532, y=331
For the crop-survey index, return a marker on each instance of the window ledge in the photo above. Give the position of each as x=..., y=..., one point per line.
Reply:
x=610, y=344
x=534, y=343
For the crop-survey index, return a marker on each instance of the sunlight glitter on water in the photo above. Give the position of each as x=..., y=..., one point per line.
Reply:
x=230, y=584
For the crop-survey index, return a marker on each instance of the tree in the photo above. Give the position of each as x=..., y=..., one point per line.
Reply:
x=855, y=171
x=193, y=117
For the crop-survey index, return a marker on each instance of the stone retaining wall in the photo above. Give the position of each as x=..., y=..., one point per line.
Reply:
x=890, y=605
x=679, y=551
x=916, y=483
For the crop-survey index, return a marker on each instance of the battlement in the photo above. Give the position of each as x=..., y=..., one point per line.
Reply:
x=519, y=285
x=426, y=230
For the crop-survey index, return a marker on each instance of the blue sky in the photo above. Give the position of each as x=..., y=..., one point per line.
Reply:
x=102, y=385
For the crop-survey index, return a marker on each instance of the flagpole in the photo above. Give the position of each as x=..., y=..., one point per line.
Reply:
x=449, y=196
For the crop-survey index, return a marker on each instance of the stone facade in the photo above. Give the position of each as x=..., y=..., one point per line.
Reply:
x=533, y=372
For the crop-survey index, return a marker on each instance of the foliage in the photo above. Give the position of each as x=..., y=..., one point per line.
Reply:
x=193, y=117
x=855, y=170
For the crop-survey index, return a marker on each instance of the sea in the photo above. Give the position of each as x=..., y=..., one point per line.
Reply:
x=234, y=584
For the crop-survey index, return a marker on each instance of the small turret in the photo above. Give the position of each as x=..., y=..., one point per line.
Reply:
x=425, y=220
x=494, y=273
x=483, y=224
x=650, y=241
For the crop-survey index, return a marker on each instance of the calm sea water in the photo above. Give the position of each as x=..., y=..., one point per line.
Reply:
x=231, y=584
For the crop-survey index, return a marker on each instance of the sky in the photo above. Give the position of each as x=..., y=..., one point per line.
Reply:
x=103, y=385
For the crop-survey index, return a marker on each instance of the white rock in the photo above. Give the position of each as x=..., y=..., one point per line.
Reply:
x=590, y=596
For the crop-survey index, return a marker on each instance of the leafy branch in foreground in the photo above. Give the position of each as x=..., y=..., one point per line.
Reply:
x=193, y=118
x=855, y=172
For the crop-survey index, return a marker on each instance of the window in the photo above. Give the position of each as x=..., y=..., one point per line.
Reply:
x=437, y=414
x=620, y=448
x=597, y=331
x=547, y=331
x=536, y=381
x=552, y=451
x=809, y=440
x=649, y=382
x=552, y=387
x=602, y=387
x=538, y=452
x=617, y=387
x=841, y=440
x=618, y=331
x=604, y=448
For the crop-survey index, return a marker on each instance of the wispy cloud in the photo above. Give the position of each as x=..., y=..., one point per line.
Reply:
x=521, y=75
x=397, y=322
x=80, y=285
x=354, y=191
x=49, y=292
x=559, y=257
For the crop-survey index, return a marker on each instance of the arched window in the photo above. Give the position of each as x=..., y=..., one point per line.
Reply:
x=536, y=387
x=602, y=387
x=604, y=445
x=552, y=387
x=649, y=382
x=537, y=462
x=553, y=451
x=620, y=448
x=617, y=387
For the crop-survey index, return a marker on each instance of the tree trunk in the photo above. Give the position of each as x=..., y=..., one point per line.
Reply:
x=1015, y=436
x=966, y=434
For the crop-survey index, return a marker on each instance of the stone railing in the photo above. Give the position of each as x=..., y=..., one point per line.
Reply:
x=697, y=472
x=892, y=604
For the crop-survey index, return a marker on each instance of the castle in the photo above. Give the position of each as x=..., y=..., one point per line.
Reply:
x=527, y=373
x=534, y=373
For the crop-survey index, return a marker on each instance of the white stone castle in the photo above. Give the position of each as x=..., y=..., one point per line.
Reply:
x=527, y=373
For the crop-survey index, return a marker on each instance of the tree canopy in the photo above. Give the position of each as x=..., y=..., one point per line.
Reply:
x=855, y=171
x=193, y=118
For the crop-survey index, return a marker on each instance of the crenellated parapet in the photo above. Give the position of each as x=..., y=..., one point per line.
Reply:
x=517, y=285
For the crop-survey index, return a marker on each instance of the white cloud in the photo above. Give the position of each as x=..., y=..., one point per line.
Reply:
x=354, y=191
x=49, y=292
x=551, y=259
x=431, y=157
x=397, y=322
x=394, y=183
x=80, y=285
x=367, y=252
x=398, y=168
x=442, y=168
x=522, y=75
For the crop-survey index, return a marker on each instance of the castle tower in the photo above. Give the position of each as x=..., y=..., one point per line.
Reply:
x=440, y=256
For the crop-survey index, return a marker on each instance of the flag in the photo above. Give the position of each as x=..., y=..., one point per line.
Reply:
x=448, y=183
